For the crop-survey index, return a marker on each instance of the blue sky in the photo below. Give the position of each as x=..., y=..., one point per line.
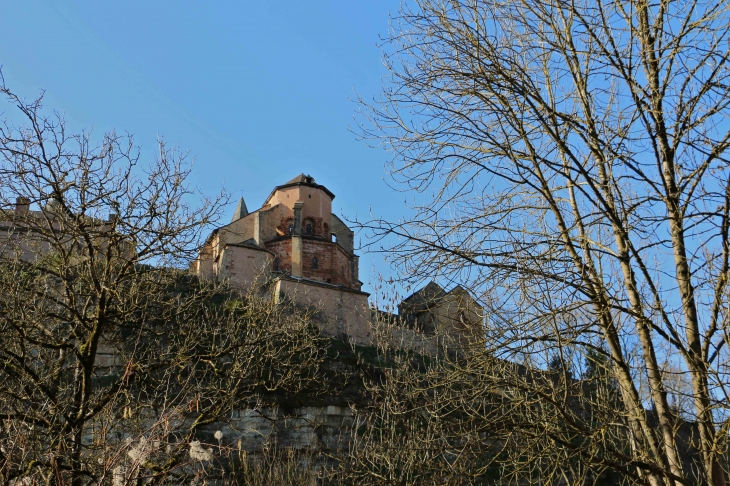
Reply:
x=256, y=91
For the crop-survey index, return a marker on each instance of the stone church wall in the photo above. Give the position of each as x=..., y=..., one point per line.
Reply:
x=333, y=264
x=244, y=266
x=342, y=312
x=345, y=236
x=239, y=230
x=268, y=220
x=283, y=249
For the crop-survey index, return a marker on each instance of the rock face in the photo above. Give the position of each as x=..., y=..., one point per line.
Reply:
x=310, y=429
x=313, y=423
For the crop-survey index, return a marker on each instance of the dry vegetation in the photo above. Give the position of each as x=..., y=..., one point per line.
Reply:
x=571, y=161
x=111, y=358
x=569, y=164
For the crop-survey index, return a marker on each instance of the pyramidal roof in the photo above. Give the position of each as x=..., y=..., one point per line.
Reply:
x=241, y=211
x=301, y=179
x=428, y=293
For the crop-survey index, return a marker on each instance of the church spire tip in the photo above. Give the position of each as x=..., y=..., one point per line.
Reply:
x=241, y=211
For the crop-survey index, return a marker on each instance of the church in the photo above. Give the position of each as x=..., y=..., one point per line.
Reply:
x=296, y=240
x=295, y=243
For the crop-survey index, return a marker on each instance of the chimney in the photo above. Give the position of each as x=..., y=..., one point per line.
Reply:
x=111, y=222
x=22, y=204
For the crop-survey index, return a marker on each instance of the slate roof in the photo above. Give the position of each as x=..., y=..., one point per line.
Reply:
x=424, y=298
x=302, y=180
x=241, y=211
x=430, y=296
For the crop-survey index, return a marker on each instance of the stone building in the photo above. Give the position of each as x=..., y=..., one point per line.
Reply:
x=295, y=243
x=27, y=234
x=455, y=314
x=19, y=237
x=295, y=240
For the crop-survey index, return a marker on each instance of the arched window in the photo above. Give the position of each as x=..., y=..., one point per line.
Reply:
x=308, y=229
x=291, y=229
x=315, y=263
x=276, y=264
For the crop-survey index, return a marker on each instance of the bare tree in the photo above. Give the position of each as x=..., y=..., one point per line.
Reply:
x=112, y=358
x=569, y=161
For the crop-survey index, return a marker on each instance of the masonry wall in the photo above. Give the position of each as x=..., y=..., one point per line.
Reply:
x=342, y=313
x=397, y=337
x=308, y=429
x=244, y=266
x=19, y=240
x=350, y=266
x=427, y=344
x=17, y=243
x=240, y=230
x=283, y=250
x=460, y=318
x=345, y=236
x=204, y=263
x=333, y=263
x=268, y=221
x=450, y=334
x=316, y=204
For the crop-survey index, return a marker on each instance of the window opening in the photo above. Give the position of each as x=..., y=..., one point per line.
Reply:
x=291, y=229
x=315, y=263
x=308, y=229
